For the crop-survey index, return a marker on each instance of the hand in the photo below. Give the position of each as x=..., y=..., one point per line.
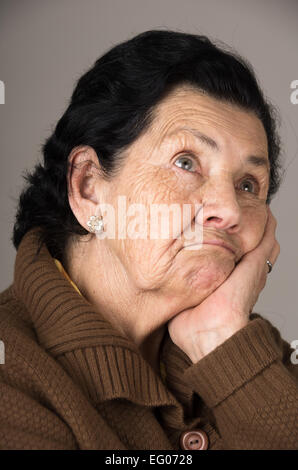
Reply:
x=199, y=330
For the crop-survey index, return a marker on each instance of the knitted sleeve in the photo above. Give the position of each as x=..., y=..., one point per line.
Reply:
x=250, y=382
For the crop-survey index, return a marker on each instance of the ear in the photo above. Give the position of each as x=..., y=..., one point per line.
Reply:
x=83, y=179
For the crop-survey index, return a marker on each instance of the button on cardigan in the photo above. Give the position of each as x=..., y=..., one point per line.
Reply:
x=72, y=381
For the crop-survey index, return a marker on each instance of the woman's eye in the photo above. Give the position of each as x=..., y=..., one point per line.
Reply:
x=249, y=186
x=185, y=163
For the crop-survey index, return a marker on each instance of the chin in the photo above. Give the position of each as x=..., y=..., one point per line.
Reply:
x=209, y=273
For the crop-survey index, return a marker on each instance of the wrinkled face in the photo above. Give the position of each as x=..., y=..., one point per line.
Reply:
x=198, y=151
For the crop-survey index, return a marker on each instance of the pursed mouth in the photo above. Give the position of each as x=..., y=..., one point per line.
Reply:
x=221, y=244
x=211, y=242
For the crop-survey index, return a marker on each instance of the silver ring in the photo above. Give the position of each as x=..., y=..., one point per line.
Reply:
x=270, y=266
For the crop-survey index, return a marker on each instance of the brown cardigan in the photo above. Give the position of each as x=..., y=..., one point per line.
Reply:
x=71, y=381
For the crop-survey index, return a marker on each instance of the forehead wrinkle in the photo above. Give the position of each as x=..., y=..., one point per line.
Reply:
x=214, y=144
x=186, y=134
x=190, y=105
x=203, y=138
x=201, y=111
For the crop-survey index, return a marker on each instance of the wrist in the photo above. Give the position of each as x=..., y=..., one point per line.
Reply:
x=205, y=342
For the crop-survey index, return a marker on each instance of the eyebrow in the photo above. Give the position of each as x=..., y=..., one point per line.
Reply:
x=254, y=160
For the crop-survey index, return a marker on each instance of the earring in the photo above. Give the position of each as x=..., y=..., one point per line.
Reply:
x=95, y=224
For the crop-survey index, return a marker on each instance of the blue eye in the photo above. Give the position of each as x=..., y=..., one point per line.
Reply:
x=185, y=163
x=249, y=185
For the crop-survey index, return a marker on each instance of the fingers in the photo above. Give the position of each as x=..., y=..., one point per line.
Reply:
x=271, y=223
x=271, y=245
x=268, y=248
x=268, y=243
x=274, y=253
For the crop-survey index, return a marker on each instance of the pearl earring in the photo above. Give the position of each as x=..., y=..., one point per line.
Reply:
x=95, y=224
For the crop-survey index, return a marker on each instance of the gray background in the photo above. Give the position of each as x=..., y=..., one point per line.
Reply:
x=46, y=45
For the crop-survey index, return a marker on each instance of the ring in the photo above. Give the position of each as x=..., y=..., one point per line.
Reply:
x=270, y=266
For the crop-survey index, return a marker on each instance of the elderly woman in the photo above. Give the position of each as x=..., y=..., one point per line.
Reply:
x=141, y=342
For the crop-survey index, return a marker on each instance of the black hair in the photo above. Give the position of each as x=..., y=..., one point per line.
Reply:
x=114, y=102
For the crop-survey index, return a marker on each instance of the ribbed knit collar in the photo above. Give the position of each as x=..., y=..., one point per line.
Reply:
x=103, y=362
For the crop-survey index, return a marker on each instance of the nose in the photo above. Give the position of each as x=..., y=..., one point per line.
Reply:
x=221, y=209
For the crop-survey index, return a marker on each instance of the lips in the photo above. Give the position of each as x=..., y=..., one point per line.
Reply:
x=216, y=242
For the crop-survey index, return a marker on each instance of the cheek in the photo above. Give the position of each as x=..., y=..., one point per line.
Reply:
x=210, y=272
x=146, y=262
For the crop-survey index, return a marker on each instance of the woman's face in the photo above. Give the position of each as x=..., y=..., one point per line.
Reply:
x=196, y=152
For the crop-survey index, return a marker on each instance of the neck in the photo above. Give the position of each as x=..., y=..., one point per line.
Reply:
x=138, y=315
